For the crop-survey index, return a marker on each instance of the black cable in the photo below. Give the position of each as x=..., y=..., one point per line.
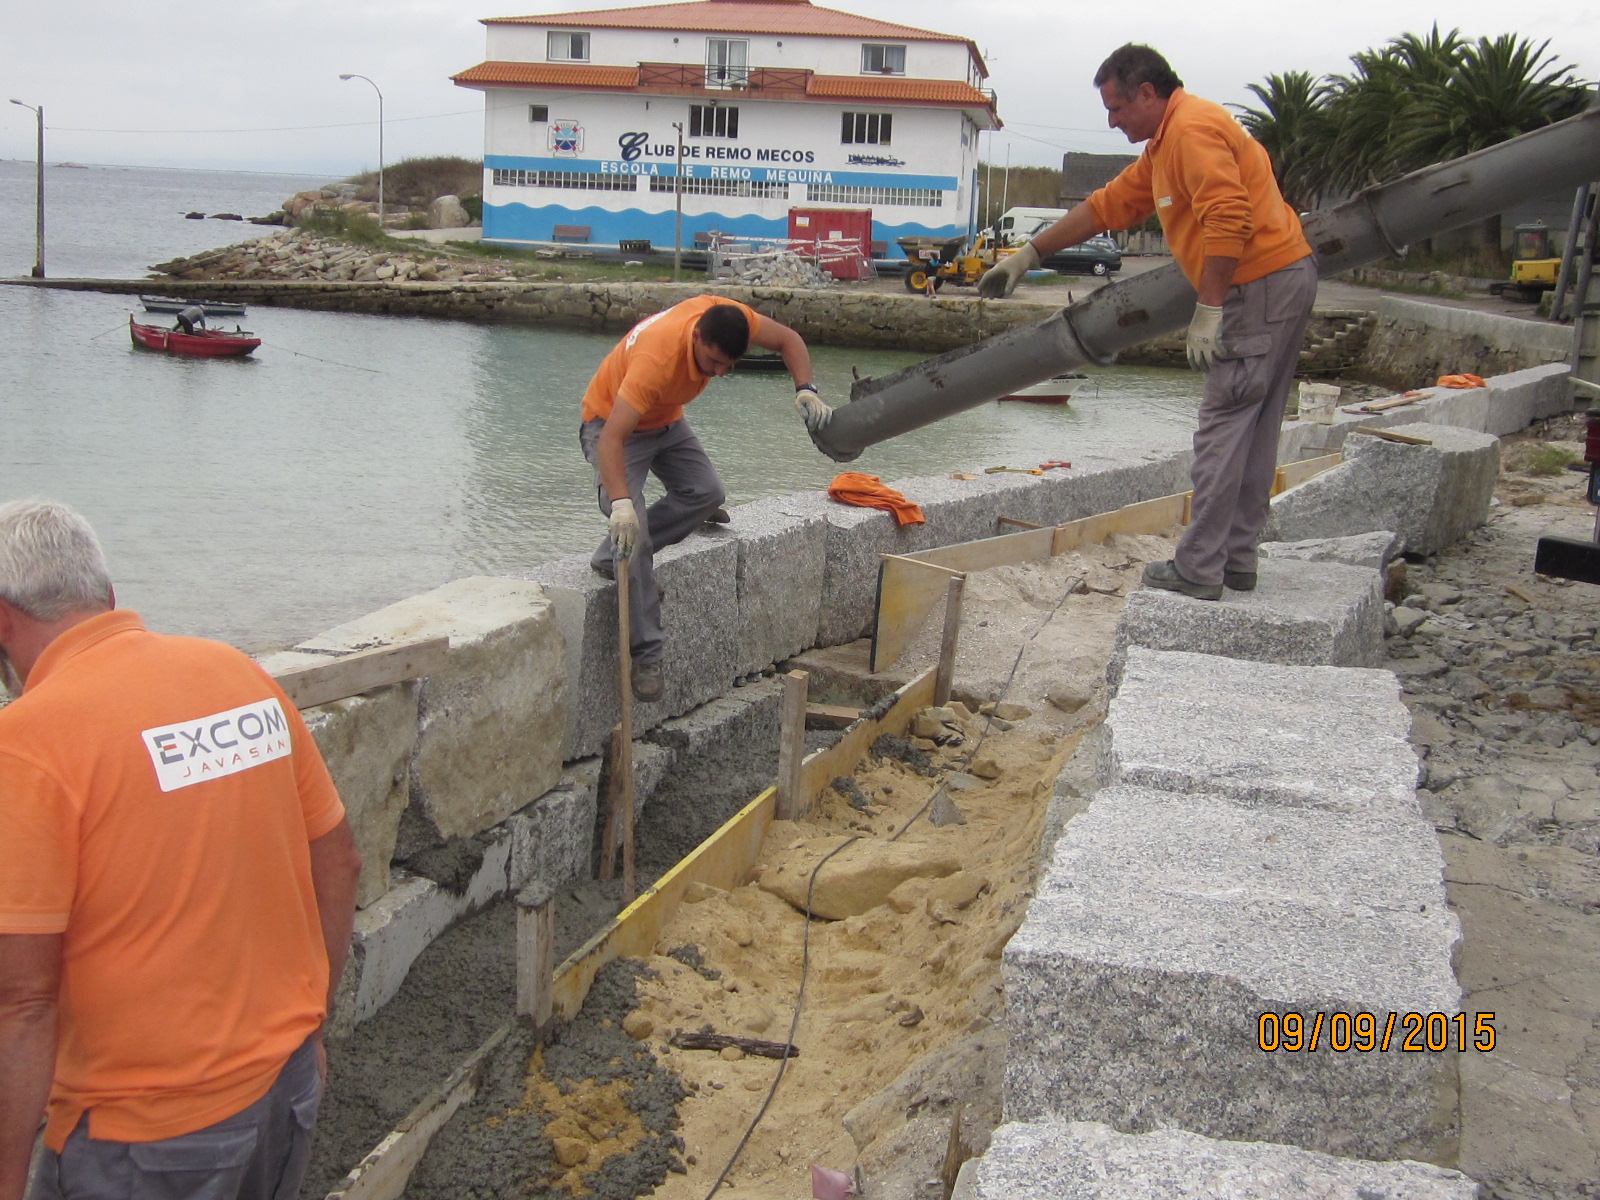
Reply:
x=811, y=887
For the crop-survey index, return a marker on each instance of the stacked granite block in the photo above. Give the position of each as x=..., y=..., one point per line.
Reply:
x=1258, y=852
x=1315, y=613
x=782, y=553
x=1084, y=1160
x=699, y=611
x=1431, y=495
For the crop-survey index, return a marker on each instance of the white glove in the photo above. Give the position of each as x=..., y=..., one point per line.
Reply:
x=1000, y=279
x=624, y=526
x=1205, y=336
x=812, y=410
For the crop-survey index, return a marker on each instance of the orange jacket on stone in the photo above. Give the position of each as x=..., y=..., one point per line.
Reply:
x=1211, y=185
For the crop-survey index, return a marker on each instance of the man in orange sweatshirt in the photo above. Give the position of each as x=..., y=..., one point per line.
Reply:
x=1239, y=243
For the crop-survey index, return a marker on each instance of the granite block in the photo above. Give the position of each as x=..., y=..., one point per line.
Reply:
x=1371, y=550
x=782, y=548
x=1431, y=495
x=367, y=742
x=1333, y=738
x=552, y=840
x=489, y=723
x=1085, y=1160
x=1310, y=613
x=1136, y=983
x=723, y=754
x=1519, y=398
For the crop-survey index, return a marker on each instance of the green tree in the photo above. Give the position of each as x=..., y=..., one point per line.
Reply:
x=1292, y=124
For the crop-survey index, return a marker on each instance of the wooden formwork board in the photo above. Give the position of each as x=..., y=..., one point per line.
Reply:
x=1294, y=474
x=1148, y=516
x=361, y=671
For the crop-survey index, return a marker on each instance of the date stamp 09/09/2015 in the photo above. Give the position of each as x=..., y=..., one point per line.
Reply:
x=1364, y=1032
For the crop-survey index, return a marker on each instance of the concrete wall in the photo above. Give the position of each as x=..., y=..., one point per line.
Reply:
x=1416, y=342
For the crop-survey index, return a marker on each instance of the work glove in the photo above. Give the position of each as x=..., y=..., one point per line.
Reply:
x=1000, y=279
x=1205, y=336
x=813, y=411
x=624, y=527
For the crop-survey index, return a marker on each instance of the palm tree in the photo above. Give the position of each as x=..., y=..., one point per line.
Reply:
x=1292, y=124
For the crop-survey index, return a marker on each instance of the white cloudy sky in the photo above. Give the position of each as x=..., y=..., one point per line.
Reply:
x=256, y=86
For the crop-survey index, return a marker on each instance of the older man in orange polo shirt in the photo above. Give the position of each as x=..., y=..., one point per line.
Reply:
x=176, y=900
x=633, y=427
x=1239, y=243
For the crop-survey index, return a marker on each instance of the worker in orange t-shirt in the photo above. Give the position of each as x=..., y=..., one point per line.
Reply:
x=633, y=426
x=176, y=901
x=1240, y=245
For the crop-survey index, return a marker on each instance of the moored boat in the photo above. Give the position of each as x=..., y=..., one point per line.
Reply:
x=203, y=343
x=213, y=308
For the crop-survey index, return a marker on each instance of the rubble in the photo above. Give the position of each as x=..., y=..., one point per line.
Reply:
x=302, y=256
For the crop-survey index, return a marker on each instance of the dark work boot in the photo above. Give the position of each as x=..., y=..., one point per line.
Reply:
x=647, y=682
x=1239, y=581
x=1165, y=575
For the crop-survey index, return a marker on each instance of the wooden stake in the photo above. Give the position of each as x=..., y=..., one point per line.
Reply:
x=536, y=953
x=791, y=747
x=623, y=762
x=947, y=648
x=1390, y=435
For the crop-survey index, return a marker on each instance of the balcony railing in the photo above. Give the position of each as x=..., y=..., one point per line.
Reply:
x=774, y=82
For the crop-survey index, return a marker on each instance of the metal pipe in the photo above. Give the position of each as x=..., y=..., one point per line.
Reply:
x=1378, y=221
x=1564, y=274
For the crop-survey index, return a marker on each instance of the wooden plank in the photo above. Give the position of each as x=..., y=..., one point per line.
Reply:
x=1295, y=473
x=831, y=716
x=908, y=588
x=623, y=763
x=791, y=746
x=612, y=828
x=536, y=953
x=984, y=553
x=1390, y=435
x=1148, y=516
x=384, y=1173
x=823, y=767
x=945, y=675
x=361, y=671
x=1018, y=524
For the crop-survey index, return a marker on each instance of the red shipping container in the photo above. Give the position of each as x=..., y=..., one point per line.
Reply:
x=840, y=239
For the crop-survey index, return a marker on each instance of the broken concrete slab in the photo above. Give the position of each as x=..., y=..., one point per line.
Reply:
x=367, y=742
x=489, y=724
x=1085, y=1160
x=1371, y=550
x=1137, y=984
x=1311, y=613
x=1334, y=738
x=782, y=551
x=1431, y=495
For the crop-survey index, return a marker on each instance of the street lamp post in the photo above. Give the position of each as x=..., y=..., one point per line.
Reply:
x=379, y=90
x=38, y=234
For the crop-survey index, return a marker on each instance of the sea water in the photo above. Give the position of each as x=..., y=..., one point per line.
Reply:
x=355, y=460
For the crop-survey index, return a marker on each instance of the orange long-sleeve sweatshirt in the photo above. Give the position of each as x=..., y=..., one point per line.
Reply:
x=1211, y=185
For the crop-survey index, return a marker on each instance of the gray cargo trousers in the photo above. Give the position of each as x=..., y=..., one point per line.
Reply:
x=674, y=455
x=1241, y=415
x=259, y=1153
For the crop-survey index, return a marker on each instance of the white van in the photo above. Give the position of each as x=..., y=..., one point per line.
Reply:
x=1017, y=225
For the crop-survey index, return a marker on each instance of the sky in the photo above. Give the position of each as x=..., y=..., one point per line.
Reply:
x=257, y=87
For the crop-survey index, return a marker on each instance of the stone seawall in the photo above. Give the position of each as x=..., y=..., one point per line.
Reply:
x=1415, y=340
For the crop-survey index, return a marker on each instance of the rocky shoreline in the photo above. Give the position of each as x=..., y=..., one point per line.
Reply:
x=302, y=256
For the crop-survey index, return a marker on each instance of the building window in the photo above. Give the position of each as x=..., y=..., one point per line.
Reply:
x=877, y=59
x=866, y=129
x=568, y=47
x=722, y=187
x=713, y=121
x=538, y=114
x=582, y=180
x=727, y=62
x=878, y=197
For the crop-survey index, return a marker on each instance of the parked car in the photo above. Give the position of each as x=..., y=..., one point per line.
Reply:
x=1098, y=256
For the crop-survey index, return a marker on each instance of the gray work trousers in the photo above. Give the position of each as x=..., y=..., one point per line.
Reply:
x=1241, y=415
x=259, y=1153
x=694, y=491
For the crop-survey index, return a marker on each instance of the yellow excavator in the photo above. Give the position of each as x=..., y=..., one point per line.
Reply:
x=937, y=261
x=1533, y=267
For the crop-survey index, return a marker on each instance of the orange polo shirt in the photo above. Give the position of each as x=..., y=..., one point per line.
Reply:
x=1211, y=185
x=157, y=798
x=653, y=369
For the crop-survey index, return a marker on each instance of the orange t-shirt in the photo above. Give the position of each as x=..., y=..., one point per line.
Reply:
x=652, y=369
x=1211, y=185
x=157, y=798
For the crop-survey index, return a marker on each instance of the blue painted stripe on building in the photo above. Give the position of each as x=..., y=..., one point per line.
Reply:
x=522, y=223
x=759, y=172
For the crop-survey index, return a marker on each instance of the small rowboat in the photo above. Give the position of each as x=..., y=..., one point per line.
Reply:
x=203, y=343
x=213, y=308
x=759, y=360
x=1042, y=393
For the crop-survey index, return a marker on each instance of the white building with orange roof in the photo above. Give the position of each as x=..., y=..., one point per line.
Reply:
x=783, y=105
